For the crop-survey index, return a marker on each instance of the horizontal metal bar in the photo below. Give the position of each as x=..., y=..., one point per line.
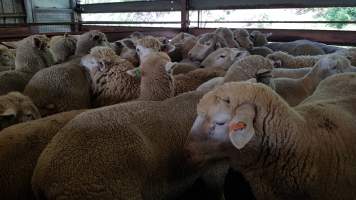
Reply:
x=134, y=6
x=12, y=15
x=56, y=10
x=130, y=22
x=278, y=22
x=257, y=4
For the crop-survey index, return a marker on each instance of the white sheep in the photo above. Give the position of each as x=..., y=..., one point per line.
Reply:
x=284, y=152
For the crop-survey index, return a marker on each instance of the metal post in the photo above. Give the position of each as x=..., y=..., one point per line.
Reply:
x=184, y=15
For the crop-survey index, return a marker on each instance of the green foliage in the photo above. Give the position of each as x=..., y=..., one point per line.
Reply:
x=339, y=14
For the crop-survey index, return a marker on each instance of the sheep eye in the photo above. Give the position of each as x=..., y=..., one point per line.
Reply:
x=220, y=123
x=226, y=100
x=137, y=49
x=222, y=56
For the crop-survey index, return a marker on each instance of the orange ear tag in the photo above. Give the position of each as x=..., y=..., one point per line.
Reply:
x=237, y=126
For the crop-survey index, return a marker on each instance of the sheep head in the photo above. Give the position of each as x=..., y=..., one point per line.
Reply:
x=280, y=58
x=206, y=44
x=90, y=39
x=224, y=57
x=233, y=117
x=127, y=50
x=16, y=108
x=99, y=59
x=149, y=44
x=330, y=65
x=259, y=39
x=242, y=37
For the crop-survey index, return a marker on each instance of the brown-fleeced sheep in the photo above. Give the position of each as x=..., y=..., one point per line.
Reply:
x=254, y=66
x=32, y=55
x=259, y=39
x=66, y=86
x=127, y=151
x=110, y=82
x=16, y=108
x=295, y=91
x=229, y=37
x=243, y=38
x=206, y=44
x=156, y=83
x=62, y=47
x=223, y=57
x=20, y=147
x=284, y=152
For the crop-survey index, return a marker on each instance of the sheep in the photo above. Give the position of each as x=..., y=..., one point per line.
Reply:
x=110, y=82
x=223, y=57
x=193, y=79
x=149, y=44
x=7, y=57
x=295, y=91
x=127, y=151
x=243, y=38
x=156, y=84
x=297, y=48
x=262, y=51
x=284, y=60
x=32, y=55
x=183, y=43
x=230, y=37
x=183, y=68
x=259, y=39
x=136, y=35
x=126, y=49
x=284, y=152
x=62, y=47
x=21, y=146
x=88, y=40
x=290, y=73
x=206, y=44
x=66, y=86
x=16, y=108
x=254, y=66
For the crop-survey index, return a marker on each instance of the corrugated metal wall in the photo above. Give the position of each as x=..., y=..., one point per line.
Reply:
x=12, y=11
x=46, y=11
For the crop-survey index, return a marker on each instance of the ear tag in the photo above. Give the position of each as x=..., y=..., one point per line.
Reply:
x=238, y=126
x=138, y=73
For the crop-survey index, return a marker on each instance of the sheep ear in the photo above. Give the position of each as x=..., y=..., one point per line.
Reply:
x=117, y=46
x=238, y=54
x=241, y=130
x=170, y=66
x=136, y=72
x=168, y=48
x=37, y=42
x=12, y=45
x=9, y=113
x=129, y=43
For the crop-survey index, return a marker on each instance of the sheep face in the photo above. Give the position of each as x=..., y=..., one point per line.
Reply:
x=242, y=37
x=62, y=47
x=149, y=44
x=126, y=49
x=100, y=58
x=259, y=39
x=220, y=127
x=89, y=40
x=16, y=108
x=224, y=57
x=206, y=44
x=331, y=65
x=7, y=57
x=279, y=58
